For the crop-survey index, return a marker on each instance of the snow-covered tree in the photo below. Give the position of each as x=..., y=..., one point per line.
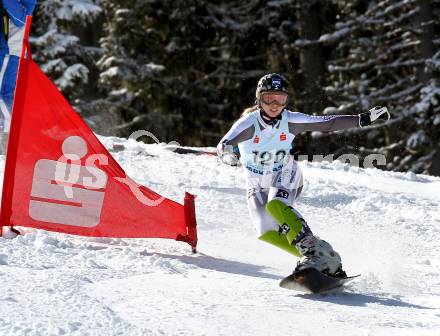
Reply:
x=187, y=69
x=61, y=51
x=384, y=54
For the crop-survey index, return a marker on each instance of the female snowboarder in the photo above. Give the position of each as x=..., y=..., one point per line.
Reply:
x=262, y=141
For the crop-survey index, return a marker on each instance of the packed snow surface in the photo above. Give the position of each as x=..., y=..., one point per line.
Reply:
x=386, y=226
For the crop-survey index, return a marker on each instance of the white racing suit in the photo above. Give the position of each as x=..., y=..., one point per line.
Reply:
x=271, y=172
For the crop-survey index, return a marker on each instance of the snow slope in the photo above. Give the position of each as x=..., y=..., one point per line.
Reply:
x=385, y=225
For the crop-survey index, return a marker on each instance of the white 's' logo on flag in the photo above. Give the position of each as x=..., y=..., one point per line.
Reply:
x=67, y=192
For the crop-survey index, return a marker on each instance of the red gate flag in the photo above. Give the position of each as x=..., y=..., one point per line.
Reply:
x=59, y=177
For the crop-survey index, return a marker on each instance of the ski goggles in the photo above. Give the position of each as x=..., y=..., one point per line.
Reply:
x=270, y=98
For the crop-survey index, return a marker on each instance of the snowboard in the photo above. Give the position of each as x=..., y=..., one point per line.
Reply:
x=311, y=280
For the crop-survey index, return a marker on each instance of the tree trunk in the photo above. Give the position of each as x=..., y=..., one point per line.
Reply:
x=434, y=169
x=427, y=48
x=312, y=62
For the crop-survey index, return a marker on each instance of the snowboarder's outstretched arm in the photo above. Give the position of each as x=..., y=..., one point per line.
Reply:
x=300, y=122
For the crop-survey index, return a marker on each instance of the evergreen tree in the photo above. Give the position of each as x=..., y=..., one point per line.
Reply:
x=186, y=70
x=154, y=66
x=378, y=60
x=61, y=51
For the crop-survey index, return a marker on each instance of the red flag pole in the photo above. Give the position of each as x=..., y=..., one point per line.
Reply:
x=17, y=109
x=26, y=50
x=190, y=218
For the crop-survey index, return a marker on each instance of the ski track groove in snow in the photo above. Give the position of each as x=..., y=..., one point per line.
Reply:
x=385, y=226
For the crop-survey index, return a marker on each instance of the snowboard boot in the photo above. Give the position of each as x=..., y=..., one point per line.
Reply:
x=319, y=254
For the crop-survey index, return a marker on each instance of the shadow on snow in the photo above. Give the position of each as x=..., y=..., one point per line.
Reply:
x=220, y=265
x=360, y=300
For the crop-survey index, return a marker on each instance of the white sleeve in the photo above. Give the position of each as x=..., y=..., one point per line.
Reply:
x=241, y=130
x=302, y=118
x=300, y=122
